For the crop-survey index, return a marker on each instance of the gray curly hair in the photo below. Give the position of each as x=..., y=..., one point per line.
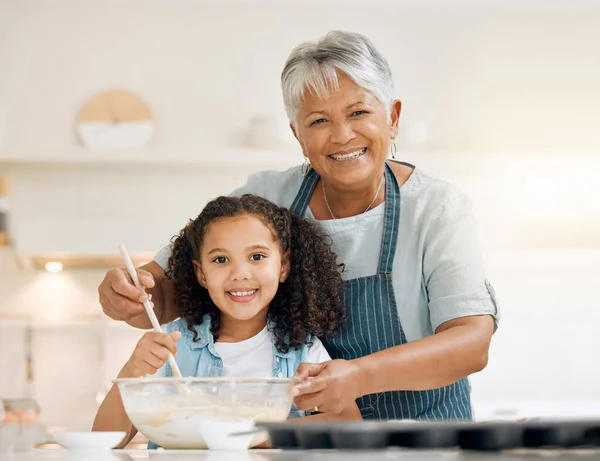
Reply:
x=315, y=65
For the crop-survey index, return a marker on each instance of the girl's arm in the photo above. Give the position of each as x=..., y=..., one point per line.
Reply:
x=111, y=415
x=149, y=355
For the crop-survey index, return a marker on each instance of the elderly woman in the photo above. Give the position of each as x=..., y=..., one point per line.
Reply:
x=421, y=313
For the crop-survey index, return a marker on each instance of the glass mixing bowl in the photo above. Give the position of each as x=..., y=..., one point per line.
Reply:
x=197, y=413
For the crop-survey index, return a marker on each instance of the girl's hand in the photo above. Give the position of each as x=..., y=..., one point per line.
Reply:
x=329, y=386
x=151, y=352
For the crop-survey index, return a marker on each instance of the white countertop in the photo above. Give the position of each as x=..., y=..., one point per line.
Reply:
x=291, y=455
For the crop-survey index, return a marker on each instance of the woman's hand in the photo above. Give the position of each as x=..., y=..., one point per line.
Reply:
x=151, y=353
x=119, y=297
x=330, y=386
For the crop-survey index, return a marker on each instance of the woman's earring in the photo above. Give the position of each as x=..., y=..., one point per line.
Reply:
x=305, y=166
x=393, y=149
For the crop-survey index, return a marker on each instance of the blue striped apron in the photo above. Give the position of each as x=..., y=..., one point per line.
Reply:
x=374, y=325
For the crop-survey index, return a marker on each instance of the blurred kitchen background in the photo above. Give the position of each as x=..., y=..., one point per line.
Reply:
x=500, y=97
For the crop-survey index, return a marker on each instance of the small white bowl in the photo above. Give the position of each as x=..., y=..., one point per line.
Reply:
x=89, y=440
x=217, y=436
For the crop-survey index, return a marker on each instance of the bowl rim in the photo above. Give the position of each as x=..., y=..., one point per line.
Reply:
x=206, y=379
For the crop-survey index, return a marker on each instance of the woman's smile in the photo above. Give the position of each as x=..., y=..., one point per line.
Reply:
x=348, y=155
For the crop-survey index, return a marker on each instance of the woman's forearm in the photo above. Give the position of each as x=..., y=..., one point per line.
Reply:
x=111, y=415
x=458, y=349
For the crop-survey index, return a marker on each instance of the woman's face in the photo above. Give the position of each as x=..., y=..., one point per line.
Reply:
x=347, y=136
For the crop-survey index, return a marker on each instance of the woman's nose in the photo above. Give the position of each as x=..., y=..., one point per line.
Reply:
x=343, y=132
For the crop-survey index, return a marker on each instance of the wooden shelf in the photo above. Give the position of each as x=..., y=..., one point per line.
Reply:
x=218, y=157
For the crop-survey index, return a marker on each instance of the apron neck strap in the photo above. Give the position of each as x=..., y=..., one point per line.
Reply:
x=391, y=216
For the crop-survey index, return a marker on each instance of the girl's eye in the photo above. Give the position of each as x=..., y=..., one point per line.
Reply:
x=359, y=112
x=317, y=122
x=257, y=257
x=220, y=260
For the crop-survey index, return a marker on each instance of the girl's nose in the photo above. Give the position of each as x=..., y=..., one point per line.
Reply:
x=240, y=271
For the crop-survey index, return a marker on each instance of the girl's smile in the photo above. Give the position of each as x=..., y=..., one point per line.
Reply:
x=242, y=295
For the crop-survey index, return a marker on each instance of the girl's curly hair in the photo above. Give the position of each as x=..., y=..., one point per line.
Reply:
x=307, y=303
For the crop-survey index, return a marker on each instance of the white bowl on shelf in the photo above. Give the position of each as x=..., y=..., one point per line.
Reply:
x=88, y=440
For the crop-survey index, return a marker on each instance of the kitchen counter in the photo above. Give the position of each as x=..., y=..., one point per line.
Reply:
x=295, y=455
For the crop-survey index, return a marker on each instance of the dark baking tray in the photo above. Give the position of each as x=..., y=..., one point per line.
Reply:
x=489, y=436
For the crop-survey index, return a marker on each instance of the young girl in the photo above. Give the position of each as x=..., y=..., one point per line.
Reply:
x=254, y=286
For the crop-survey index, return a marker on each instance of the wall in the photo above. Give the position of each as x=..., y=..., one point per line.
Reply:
x=477, y=79
x=500, y=101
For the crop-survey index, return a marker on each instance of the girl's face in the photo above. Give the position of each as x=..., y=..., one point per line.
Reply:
x=241, y=266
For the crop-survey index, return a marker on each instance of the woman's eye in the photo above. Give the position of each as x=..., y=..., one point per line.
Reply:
x=359, y=112
x=257, y=257
x=220, y=260
x=317, y=122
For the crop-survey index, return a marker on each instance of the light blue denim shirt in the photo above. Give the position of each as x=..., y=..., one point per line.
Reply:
x=200, y=358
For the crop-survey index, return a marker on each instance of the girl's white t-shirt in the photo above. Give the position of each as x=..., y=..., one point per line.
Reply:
x=253, y=357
